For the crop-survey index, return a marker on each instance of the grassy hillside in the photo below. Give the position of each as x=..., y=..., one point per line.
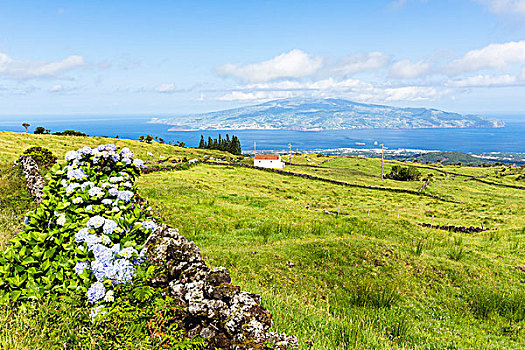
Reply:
x=13, y=144
x=367, y=278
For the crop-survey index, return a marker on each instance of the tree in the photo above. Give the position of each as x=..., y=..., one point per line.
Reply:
x=404, y=173
x=202, y=143
x=149, y=138
x=141, y=138
x=39, y=130
x=26, y=125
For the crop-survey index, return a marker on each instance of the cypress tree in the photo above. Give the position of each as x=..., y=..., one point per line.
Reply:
x=202, y=144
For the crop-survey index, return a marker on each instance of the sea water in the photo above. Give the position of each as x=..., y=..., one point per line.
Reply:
x=510, y=138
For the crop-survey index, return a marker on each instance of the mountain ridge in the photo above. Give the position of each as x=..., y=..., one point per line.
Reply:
x=325, y=114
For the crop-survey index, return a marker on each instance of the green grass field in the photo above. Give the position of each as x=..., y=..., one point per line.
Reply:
x=367, y=278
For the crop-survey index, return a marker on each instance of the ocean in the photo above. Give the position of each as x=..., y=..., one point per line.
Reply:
x=511, y=138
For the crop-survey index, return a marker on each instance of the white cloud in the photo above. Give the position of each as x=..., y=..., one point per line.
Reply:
x=165, y=88
x=324, y=84
x=56, y=88
x=516, y=7
x=32, y=69
x=406, y=69
x=413, y=93
x=256, y=95
x=360, y=62
x=484, y=81
x=291, y=65
x=348, y=88
x=522, y=74
x=396, y=4
x=495, y=56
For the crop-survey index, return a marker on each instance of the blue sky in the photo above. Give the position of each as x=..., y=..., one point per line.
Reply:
x=174, y=57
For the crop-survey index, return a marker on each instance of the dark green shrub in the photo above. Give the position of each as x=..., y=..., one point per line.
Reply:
x=44, y=157
x=70, y=133
x=400, y=173
x=39, y=130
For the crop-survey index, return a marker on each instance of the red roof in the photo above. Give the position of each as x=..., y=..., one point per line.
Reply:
x=267, y=156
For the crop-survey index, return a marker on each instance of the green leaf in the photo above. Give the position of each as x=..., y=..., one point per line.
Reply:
x=15, y=294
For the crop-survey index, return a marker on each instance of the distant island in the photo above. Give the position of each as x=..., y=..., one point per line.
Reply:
x=325, y=114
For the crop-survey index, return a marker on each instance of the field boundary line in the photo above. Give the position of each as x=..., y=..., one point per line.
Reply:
x=336, y=182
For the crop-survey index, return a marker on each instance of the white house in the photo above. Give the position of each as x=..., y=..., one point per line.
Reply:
x=268, y=161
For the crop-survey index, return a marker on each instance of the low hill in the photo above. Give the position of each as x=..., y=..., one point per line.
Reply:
x=326, y=114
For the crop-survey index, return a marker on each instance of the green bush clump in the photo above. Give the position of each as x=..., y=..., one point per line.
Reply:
x=44, y=157
x=70, y=133
x=43, y=258
x=400, y=173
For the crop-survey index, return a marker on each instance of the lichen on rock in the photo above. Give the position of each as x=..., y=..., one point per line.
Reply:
x=212, y=306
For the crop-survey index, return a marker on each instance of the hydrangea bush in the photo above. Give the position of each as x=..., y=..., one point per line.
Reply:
x=86, y=235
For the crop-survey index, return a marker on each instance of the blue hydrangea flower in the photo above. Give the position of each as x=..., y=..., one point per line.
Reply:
x=126, y=184
x=138, y=163
x=96, y=192
x=123, y=271
x=113, y=192
x=96, y=222
x=86, y=184
x=108, y=147
x=77, y=173
x=115, y=157
x=104, y=239
x=102, y=270
x=125, y=152
x=91, y=240
x=26, y=220
x=107, y=201
x=116, y=179
x=71, y=155
x=72, y=187
x=81, y=266
x=81, y=235
x=149, y=225
x=116, y=248
x=125, y=195
x=127, y=252
x=109, y=226
x=85, y=150
x=96, y=292
x=102, y=253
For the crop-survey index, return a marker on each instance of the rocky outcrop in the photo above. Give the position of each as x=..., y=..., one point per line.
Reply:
x=212, y=306
x=34, y=180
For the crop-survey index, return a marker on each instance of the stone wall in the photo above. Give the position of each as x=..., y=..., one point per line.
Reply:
x=34, y=180
x=212, y=306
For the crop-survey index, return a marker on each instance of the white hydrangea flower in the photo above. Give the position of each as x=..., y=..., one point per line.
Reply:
x=61, y=220
x=109, y=297
x=96, y=221
x=77, y=200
